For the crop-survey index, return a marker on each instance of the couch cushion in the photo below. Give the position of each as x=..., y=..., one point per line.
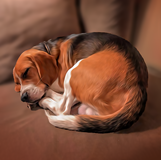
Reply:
x=28, y=135
x=28, y=22
x=113, y=16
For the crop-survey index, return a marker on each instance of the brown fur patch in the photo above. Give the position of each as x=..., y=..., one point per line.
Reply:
x=63, y=62
x=100, y=81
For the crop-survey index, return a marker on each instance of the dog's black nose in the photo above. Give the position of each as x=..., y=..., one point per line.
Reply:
x=24, y=97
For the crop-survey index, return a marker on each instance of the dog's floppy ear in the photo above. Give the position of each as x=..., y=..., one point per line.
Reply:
x=17, y=83
x=46, y=66
x=51, y=46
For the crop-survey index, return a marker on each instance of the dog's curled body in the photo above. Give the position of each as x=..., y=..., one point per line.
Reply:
x=102, y=71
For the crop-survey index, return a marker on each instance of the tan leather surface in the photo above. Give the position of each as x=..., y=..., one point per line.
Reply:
x=25, y=23
x=27, y=135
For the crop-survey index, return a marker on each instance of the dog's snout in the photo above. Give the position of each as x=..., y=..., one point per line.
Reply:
x=24, y=97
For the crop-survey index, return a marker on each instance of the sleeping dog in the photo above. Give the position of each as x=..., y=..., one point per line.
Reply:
x=103, y=72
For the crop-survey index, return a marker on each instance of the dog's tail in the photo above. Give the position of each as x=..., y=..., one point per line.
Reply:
x=122, y=119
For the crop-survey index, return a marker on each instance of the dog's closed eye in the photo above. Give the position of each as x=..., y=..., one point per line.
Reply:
x=24, y=75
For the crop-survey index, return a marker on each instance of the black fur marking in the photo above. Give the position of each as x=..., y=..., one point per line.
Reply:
x=47, y=46
x=43, y=47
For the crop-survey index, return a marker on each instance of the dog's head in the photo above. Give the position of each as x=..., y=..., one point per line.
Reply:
x=34, y=72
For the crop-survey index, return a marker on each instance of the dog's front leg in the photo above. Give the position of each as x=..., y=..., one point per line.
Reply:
x=66, y=104
x=48, y=103
x=51, y=101
x=54, y=95
x=68, y=99
x=58, y=103
x=63, y=104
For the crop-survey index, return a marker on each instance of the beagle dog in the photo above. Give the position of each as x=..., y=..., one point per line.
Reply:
x=101, y=71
